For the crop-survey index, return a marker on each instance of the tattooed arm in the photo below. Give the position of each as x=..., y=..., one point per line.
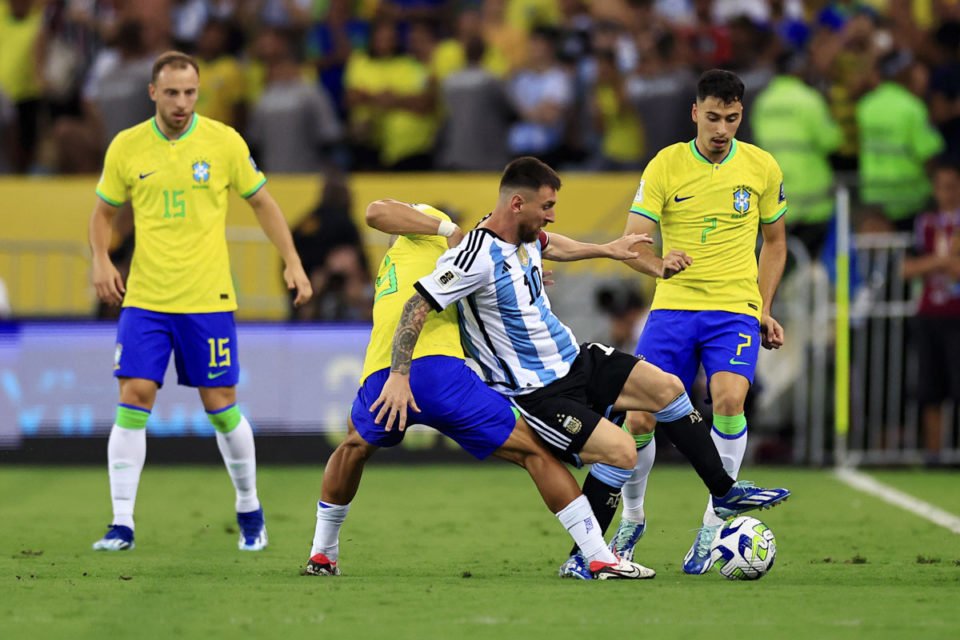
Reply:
x=396, y=394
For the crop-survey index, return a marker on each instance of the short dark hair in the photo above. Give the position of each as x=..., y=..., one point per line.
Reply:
x=724, y=85
x=174, y=59
x=529, y=173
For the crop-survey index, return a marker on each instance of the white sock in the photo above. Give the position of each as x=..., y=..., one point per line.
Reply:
x=240, y=457
x=126, y=452
x=326, y=537
x=578, y=519
x=635, y=490
x=731, y=453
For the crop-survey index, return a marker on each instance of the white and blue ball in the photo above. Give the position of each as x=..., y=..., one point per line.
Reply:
x=744, y=548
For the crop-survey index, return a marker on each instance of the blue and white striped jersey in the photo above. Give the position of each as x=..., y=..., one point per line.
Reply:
x=506, y=323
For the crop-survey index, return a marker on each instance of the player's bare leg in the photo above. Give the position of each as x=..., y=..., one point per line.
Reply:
x=235, y=441
x=126, y=452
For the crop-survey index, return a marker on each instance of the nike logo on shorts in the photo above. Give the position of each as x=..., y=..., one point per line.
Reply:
x=211, y=375
x=735, y=361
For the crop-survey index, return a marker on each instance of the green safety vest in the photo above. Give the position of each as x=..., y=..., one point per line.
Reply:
x=792, y=122
x=896, y=139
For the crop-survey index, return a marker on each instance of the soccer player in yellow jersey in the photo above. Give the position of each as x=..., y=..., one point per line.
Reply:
x=176, y=169
x=451, y=398
x=712, y=302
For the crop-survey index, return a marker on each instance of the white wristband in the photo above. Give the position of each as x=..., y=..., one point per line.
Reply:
x=446, y=228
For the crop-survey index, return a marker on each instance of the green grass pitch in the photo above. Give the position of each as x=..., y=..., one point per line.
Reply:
x=459, y=552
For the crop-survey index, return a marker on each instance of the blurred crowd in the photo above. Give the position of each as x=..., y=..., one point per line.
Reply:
x=466, y=85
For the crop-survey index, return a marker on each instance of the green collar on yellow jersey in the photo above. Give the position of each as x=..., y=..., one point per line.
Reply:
x=699, y=156
x=156, y=129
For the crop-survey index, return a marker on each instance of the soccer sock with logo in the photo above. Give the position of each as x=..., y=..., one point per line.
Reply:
x=580, y=522
x=326, y=537
x=685, y=428
x=635, y=489
x=126, y=452
x=235, y=441
x=729, y=435
x=602, y=490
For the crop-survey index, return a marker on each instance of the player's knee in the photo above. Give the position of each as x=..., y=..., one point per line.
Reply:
x=727, y=405
x=639, y=423
x=355, y=447
x=669, y=388
x=624, y=455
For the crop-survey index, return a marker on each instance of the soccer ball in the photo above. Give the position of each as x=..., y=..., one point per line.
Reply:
x=745, y=549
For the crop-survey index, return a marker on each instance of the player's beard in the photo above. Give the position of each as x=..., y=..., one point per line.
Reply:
x=172, y=124
x=529, y=235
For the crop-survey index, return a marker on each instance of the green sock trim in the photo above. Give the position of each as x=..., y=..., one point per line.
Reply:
x=516, y=413
x=225, y=420
x=642, y=440
x=730, y=425
x=130, y=417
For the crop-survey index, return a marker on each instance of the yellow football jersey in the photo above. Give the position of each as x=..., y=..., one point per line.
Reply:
x=178, y=189
x=712, y=212
x=409, y=259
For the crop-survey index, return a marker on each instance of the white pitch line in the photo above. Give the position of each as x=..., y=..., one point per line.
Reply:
x=925, y=510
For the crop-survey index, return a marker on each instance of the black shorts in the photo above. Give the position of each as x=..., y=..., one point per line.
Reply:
x=566, y=411
x=937, y=340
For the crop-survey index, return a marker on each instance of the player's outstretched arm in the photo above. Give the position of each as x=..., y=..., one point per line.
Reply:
x=106, y=279
x=275, y=226
x=649, y=262
x=396, y=394
x=773, y=258
x=399, y=218
x=564, y=249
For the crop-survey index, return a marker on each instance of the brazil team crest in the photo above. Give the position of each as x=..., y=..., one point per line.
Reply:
x=741, y=199
x=201, y=171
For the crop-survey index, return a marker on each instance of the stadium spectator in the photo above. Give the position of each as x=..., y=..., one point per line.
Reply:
x=936, y=328
x=223, y=95
x=542, y=94
x=187, y=21
x=662, y=90
x=945, y=86
x=451, y=53
x=622, y=135
x=896, y=141
x=501, y=35
x=626, y=309
x=842, y=47
x=706, y=44
x=293, y=127
x=791, y=120
x=392, y=107
x=113, y=99
x=333, y=257
x=329, y=43
x=477, y=117
x=22, y=54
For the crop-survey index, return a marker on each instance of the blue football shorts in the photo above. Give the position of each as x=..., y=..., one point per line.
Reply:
x=204, y=347
x=452, y=399
x=680, y=341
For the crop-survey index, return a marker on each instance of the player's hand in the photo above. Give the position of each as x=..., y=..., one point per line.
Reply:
x=621, y=248
x=296, y=278
x=455, y=238
x=107, y=281
x=771, y=333
x=674, y=262
x=393, y=401
x=547, y=277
